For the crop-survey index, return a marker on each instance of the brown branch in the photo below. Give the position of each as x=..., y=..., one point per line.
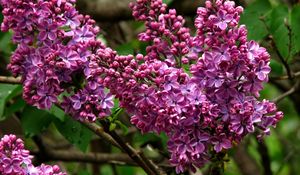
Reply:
x=135, y=155
x=10, y=80
x=99, y=131
x=246, y=164
x=265, y=158
x=74, y=156
x=287, y=93
x=285, y=77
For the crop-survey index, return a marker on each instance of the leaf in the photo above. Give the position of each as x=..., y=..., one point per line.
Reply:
x=122, y=126
x=251, y=18
x=5, y=43
x=83, y=172
x=57, y=112
x=112, y=126
x=295, y=27
x=5, y=94
x=116, y=106
x=125, y=49
x=167, y=1
x=279, y=30
x=18, y=105
x=74, y=132
x=276, y=67
x=34, y=120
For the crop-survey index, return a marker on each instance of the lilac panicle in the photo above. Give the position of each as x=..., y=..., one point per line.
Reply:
x=55, y=48
x=15, y=159
x=213, y=104
x=203, y=109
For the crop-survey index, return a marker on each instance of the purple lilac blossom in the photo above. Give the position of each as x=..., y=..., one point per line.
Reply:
x=55, y=45
x=15, y=159
x=203, y=109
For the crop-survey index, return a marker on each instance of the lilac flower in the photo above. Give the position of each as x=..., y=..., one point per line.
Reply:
x=171, y=82
x=47, y=30
x=223, y=19
x=83, y=34
x=262, y=71
x=107, y=101
x=253, y=48
x=72, y=18
x=221, y=142
x=146, y=97
x=69, y=58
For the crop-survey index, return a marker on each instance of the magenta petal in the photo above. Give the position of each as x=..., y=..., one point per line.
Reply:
x=42, y=35
x=222, y=25
x=52, y=36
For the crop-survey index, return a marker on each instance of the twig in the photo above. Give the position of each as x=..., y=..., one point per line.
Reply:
x=288, y=93
x=246, y=164
x=135, y=155
x=10, y=80
x=265, y=159
x=285, y=77
x=289, y=72
x=74, y=156
x=98, y=130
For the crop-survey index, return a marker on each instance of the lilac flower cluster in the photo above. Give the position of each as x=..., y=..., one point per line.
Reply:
x=213, y=104
x=200, y=90
x=15, y=160
x=55, y=44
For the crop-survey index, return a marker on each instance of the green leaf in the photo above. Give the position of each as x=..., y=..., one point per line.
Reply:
x=74, y=132
x=276, y=67
x=280, y=31
x=116, y=106
x=6, y=91
x=18, y=105
x=122, y=126
x=125, y=49
x=34, y=120
x=112, y=126
x=167, y=1
x=251, y=18
x=57, y=112
x=295, y=27
x=83, y=172
x=5, y=43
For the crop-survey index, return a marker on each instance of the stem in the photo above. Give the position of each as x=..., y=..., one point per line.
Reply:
x=10, y=80
x=98, y=130
x=135, y=155
x=286, y=77
x=265, y=159
x=288, y=93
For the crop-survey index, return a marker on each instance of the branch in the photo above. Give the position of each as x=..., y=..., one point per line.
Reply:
x=286, y=94
x=265, y=159
x=137, y=156
x=99, y=131
x=10, y=80
x=246, y=164
x=285, y=77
